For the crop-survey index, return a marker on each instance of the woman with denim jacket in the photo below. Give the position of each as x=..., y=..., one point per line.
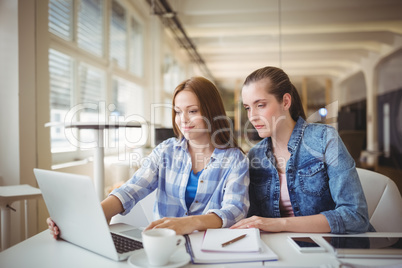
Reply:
x=302, y=178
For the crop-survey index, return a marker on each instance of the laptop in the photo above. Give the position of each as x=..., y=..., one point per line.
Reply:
x=74, y=206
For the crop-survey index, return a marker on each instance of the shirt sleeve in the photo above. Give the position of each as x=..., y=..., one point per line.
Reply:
x=143, y=182
x=235, y=203
x=350, y=214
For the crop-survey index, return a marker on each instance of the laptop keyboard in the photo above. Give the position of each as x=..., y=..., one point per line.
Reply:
x=124, y=244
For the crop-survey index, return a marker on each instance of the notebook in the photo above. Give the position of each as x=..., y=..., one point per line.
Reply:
x=214, y=239
x=366, y=247
x=194, y=243
x=74, y=206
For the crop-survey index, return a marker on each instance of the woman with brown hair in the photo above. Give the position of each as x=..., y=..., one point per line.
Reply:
x=302, y=178
x=201, y=177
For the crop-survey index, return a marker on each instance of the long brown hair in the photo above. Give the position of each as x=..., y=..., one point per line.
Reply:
x=211, y=108
x=280, y=85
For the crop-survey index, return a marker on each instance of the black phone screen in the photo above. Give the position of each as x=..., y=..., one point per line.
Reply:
x=305, y=242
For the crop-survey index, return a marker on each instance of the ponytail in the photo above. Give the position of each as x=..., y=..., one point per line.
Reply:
x=296, y=108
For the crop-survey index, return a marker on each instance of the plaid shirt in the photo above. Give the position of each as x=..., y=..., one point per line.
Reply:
x=222, y=186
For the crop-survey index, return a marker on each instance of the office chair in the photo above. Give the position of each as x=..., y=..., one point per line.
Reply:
x=383, y=199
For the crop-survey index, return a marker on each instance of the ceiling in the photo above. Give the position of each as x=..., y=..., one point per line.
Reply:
x=316, y=39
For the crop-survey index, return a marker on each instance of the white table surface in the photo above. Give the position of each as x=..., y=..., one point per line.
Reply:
x=290, y=257
x=8, y=195
x=44, y=251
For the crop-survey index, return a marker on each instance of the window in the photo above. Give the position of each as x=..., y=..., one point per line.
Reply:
x=90, y=26
x=125, y=94
x=136, y=48
x=63, y=104
x=172, y=74
x=61, y=84
x=91, y=98
x=91, y=84
x=81, y=75
x=61, y=18
x=118, y=35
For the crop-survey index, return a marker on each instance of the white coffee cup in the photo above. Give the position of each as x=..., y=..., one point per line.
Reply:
x=160, y=244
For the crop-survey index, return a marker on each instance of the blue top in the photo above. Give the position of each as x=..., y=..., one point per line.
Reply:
x=223, y=187
x=192, y=187
x=321, y=178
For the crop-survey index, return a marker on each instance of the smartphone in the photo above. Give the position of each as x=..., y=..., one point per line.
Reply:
x=306, y=244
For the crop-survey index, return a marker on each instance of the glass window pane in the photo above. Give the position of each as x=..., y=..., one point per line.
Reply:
x=91, y=99
x=118, y=35
x=90, y=26
x=128, y=100
x=172, y=74
x=136, y=48
x=91, y=85
x=61, y=18
x=60, y=70
x=61, y=84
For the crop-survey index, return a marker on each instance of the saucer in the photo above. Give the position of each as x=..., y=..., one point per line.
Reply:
x=179, y=258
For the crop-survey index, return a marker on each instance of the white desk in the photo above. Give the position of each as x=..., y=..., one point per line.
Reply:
x=98, y=127
x=8, y=195
x=289, y=256
x=43, y=251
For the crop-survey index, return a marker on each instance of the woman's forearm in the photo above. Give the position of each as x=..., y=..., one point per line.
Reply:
x=111, y=206
x=207, y=221
x=303, y=224
x=307, y=224
x=187, y=225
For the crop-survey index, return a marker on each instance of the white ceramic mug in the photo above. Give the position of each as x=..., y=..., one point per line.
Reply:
x=159, y=245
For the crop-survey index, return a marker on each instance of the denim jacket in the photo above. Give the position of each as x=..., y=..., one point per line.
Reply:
x=321, y=178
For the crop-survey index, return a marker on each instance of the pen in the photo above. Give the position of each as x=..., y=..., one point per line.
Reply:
x=233, y=240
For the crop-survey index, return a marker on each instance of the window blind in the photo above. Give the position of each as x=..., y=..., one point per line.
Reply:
x=61, y=18
x=136, y=47
x=119, y=93
x=61, y=86
x=60, y=71
x=118, y=34
x=91, y=85
x=90, y=26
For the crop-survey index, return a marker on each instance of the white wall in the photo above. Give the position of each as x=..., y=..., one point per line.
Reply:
x=9, y=143
x=9, y=104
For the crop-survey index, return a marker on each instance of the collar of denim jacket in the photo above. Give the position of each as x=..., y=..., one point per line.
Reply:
x=297, y=134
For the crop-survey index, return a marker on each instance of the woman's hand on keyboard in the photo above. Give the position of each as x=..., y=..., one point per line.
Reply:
x=54, y=230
